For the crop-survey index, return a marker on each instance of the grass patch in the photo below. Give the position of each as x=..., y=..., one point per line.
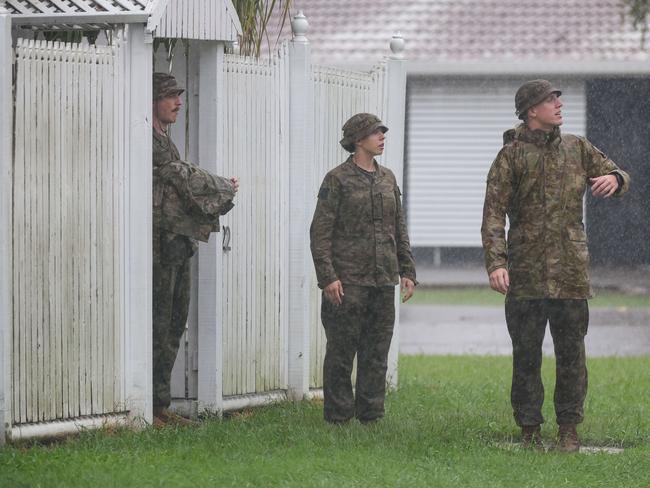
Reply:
x=487, y=297
x=443, y=428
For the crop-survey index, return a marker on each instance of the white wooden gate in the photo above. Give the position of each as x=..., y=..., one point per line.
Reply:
x=254, y=234
x=66, y=221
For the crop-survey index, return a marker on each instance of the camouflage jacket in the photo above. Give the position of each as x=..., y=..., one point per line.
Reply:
x=358, y=233
x=187, y=201
x=538, y=180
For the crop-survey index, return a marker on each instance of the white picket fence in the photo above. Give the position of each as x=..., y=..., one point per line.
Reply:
x=75, y=282
x=66, y=222
x=271, y=342
x=76, y=288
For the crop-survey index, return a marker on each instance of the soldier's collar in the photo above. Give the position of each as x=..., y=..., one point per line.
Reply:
x=537, y=136
x=379, y=168
x=158, y=135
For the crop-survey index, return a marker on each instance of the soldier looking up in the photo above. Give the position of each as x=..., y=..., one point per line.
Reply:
x=538, y=180
x=187, y=203
x=360, y=249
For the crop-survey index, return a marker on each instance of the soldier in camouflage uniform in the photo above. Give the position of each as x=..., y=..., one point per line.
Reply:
x=187, y=202
x=538, y=180
x=360, y=249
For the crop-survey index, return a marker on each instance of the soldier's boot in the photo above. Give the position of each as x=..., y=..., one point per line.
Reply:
x=158, y=423
x=162, y=416
x=568, y=440
x=531, y=437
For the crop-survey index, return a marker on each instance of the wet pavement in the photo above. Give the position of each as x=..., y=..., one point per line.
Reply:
x=634, y=280
x=442, y=329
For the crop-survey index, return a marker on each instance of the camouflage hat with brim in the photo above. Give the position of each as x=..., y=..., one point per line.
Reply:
x=531, y=93
x=164, y=86
x=358, y=127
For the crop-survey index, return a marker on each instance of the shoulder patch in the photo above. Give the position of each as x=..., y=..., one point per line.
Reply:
x=323, y=193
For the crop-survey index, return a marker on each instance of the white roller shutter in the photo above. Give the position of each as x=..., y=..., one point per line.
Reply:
x=455, y=130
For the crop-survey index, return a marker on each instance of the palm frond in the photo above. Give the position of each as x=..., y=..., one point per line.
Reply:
x=255, y=16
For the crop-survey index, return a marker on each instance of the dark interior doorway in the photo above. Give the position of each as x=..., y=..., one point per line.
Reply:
x=618, y=123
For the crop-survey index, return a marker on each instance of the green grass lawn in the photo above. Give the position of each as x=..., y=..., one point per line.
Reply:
x=445, y=426
x=486, y=296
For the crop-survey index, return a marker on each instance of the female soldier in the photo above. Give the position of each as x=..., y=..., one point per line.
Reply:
x=360, y=249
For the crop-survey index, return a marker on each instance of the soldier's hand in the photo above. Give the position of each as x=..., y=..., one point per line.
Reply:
x=235, y=183
x=603, y=186
x=334, y=292
x=407, y=287
x=499, y=280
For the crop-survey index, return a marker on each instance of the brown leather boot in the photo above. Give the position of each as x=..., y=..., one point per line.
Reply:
x=531, y=436
x=162, y=416
x=568, y=440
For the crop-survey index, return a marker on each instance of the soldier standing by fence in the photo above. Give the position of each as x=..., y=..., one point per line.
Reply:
x=360, y=249
x=187, y=202
x=538, y=180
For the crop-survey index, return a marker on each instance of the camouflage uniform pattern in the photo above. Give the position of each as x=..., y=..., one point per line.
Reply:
x=361, y=325
x=358, y=236
x=538, y=180
x=187, y=203
x=358, y=233
x=188, y=200
x=171, y=281
x=358, y=127
x=568, y=321
x=531, y=93
x=164, y=85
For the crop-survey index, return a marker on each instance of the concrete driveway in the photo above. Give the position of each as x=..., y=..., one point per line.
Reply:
x=442, y=329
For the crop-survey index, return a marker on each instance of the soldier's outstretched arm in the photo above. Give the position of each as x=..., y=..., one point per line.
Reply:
x=499, y=190
x=322, y=229
x=605, y=177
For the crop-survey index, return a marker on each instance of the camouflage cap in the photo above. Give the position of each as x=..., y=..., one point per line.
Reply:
x=531, y=93
x=359, y=126
x=165, y=85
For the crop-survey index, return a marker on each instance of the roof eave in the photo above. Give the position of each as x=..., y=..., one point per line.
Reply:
x=565, y=67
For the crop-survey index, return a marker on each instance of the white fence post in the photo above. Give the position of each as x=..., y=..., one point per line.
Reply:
x=137, y=223
x=394, y=110
x=210, y=381
x=301, y=119
x=6, y=158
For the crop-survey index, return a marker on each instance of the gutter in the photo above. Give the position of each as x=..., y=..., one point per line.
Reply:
x=514, y=67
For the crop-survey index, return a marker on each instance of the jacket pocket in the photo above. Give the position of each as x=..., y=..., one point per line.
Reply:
x=389, y=204
x=577, y=255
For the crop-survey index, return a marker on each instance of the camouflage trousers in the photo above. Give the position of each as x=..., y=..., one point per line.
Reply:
x=363, y=326
x=171, y=299
x=568, y=321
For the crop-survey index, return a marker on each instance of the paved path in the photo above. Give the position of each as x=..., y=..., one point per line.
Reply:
x=628, y=280
x=442, y=329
